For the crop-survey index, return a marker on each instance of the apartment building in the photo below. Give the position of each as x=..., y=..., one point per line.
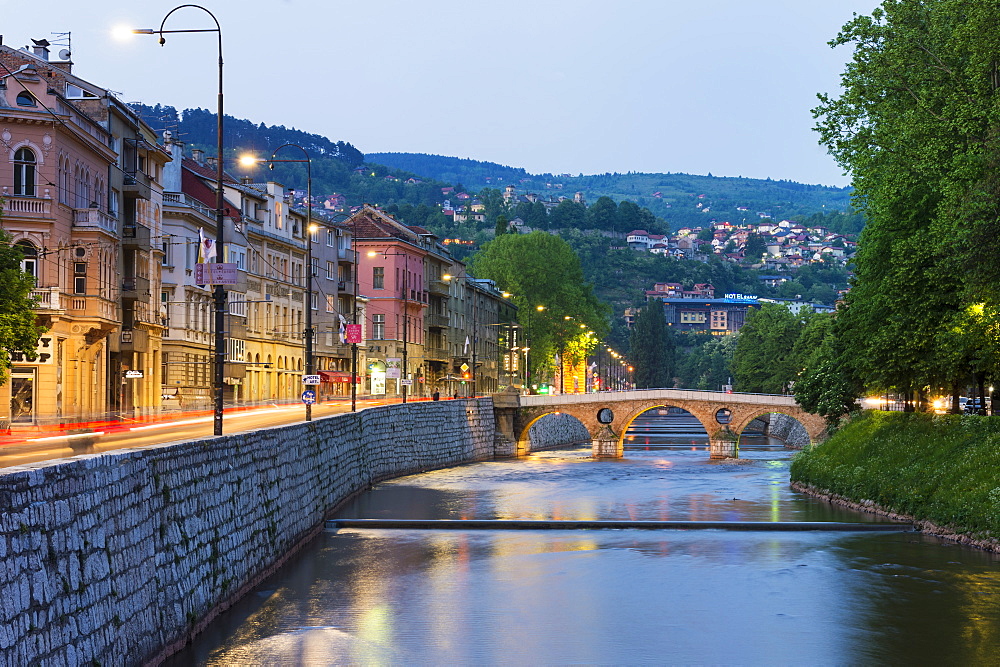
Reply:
x=82, y=199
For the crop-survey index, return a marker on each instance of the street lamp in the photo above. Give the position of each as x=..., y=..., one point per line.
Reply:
x=220, y=292
x=311, y=228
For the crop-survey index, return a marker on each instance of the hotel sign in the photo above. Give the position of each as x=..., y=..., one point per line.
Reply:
x=741, y=297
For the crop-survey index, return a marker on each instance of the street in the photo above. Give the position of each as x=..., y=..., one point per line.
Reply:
x=34, y=447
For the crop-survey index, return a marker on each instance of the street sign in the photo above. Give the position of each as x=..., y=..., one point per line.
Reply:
x=464, y=367
x=215, y=273
x=353, y=334
x=406, y=382
x=310, y=379
x=309, y=397
x=133, y=374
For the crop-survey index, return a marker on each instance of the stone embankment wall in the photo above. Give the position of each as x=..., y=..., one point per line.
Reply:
x=788, y=430
x=558, y=430
x=117, y=558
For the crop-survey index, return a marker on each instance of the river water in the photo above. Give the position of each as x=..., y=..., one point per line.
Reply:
x=366, y=596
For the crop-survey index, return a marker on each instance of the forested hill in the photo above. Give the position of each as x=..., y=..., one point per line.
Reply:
x=473, y=174
x=198, y=127
x=683, y=200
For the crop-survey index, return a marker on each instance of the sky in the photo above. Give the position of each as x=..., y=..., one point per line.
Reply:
x=562, y=86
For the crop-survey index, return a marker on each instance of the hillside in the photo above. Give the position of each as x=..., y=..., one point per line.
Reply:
x=682, y=200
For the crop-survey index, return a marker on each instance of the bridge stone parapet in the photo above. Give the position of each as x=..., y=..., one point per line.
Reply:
x=723, y=415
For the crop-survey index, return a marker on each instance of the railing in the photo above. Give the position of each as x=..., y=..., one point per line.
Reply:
x=95, y=218
x=436, y=320
x=438, y=287
x=181, y=199
x=36, y=207
x=436, y=353
x=49, y=298
x=661, y=394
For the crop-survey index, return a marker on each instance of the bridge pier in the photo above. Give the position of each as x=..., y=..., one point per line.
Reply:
x=607, y=444
x=723, y=445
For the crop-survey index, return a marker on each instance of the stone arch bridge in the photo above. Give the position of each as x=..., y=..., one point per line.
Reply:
x=607, y=415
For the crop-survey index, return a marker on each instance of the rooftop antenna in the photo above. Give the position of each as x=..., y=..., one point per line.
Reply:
x=63, y=39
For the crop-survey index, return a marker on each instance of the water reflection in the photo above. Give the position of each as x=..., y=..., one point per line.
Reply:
x=627, y=596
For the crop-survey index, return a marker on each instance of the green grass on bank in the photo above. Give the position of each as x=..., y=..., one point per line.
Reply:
x=944, y=468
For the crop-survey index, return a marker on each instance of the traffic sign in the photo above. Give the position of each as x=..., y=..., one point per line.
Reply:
x=133, y=374
x=407, y=382
x=309, y=397
x=310, y=379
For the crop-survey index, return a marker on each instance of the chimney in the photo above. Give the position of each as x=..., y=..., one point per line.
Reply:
x=198, y=155
x=210, y=162
x=247, y=180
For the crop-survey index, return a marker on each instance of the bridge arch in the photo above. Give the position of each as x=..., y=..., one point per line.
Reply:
x=625, y=406
x=559, y=434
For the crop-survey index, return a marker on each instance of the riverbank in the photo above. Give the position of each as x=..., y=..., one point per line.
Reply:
x=939, y=471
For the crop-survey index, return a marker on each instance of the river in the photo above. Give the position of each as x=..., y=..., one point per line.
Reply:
x=365, y=596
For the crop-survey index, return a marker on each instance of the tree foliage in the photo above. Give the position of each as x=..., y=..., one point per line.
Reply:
x=18, y=330
x=540, y=269
x=918, y=126
x=764, y=361
x=651, y=348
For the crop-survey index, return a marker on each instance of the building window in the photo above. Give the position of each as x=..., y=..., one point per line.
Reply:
x=378, y=327
x=29, y=264
x=24, y=172
x=331, y=303
x=26, y=99
x=331, y=272
x=331, y=237
x=378, y=277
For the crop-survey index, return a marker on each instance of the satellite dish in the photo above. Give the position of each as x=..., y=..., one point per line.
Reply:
x=64, y=54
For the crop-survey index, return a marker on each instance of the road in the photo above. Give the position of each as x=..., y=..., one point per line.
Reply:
x=18, y=450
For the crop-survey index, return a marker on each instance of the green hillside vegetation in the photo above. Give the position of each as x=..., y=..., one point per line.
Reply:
x=936, y=468
x=679, y=194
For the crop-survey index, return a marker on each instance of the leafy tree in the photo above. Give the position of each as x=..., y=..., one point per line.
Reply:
x=18, y=330
x=755, y=247
x=494, y=205
x=764, y=361
x=918, y=126
x=540, y=269
x=651, y=348
x=568, y=215
x=628, y=216
x=602, y=215
x=501, y=226
x=707, y=364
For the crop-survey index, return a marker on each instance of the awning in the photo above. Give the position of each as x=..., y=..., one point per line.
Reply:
x=338, y=376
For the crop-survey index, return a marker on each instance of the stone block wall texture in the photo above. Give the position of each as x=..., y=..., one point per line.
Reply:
x=557, y=430
x=788, y=430
x=108, y=558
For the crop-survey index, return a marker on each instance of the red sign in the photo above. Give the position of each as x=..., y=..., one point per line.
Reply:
x=353, y=333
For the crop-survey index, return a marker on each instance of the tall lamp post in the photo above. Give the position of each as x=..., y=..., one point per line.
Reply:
x=220, y=292
x=311, y=228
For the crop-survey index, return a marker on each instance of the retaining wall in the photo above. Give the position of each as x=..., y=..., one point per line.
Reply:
x=788, y=430
x=116, y=558
x=557, y=430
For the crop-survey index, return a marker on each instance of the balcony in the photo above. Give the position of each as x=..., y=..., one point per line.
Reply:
x=27, y=207
x=92, y=218
x=135, y=287
x=436, y=353
x=180, y=200
x=135, y=236
x=48, y=298
x=346, y=255
x=436, y=320
x=136, y=186
x=133, y=340
x=438, y=287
